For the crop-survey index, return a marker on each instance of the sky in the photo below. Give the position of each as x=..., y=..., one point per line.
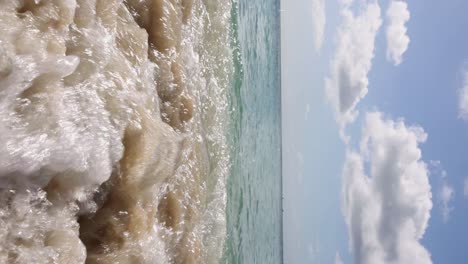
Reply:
x=375, y=122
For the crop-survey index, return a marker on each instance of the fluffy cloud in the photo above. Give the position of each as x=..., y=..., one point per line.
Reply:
x=397, y=39
x=319, y=20
x=463, y=96
x=386, y=194
x=347, y=82
x=338, y=259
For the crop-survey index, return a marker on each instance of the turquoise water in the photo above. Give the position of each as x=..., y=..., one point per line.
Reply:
x=254, y=186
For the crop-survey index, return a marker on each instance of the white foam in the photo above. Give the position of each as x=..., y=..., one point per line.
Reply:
x=76, y=86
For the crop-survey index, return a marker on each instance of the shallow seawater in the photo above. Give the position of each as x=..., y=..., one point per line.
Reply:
x=139, y=131
x=254, y=188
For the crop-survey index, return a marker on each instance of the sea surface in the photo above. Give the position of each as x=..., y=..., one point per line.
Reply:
x=254, y=231
x=140, y=131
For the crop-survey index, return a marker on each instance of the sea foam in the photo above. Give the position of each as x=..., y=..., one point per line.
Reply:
x=114, y=119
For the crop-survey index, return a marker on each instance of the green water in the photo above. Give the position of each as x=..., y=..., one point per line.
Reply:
x=254, y=185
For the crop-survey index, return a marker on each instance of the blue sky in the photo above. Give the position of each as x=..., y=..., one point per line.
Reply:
x=415, y=88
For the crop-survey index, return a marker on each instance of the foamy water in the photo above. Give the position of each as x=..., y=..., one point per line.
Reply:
x=114, y=119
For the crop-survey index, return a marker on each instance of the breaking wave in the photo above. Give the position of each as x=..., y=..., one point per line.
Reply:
x=114, y=118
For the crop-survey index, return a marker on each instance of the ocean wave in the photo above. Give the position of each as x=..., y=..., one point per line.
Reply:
x=114, y=118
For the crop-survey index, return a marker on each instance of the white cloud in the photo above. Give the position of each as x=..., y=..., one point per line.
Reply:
x=347, y=82
x=445, y=196
x=446, y=192
x=386, y=194
x=463, y=96
x=338, y=258
x=465, y=187
x=437, y=169
x=319, y=20
x=397, y=38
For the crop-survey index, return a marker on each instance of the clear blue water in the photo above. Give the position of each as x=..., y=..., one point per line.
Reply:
x=254, y=186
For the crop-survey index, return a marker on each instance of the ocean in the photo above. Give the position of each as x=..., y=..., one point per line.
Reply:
x=140, y=131
x=254, y=231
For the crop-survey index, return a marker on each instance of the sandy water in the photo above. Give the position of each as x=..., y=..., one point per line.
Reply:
x=139, y=131
x=114, y=118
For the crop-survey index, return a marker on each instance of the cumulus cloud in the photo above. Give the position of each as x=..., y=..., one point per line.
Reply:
x=463, y=96
x=338, y=259
x=348, y=81
x=397, y=38
x=386, y=194
x=319, y=20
